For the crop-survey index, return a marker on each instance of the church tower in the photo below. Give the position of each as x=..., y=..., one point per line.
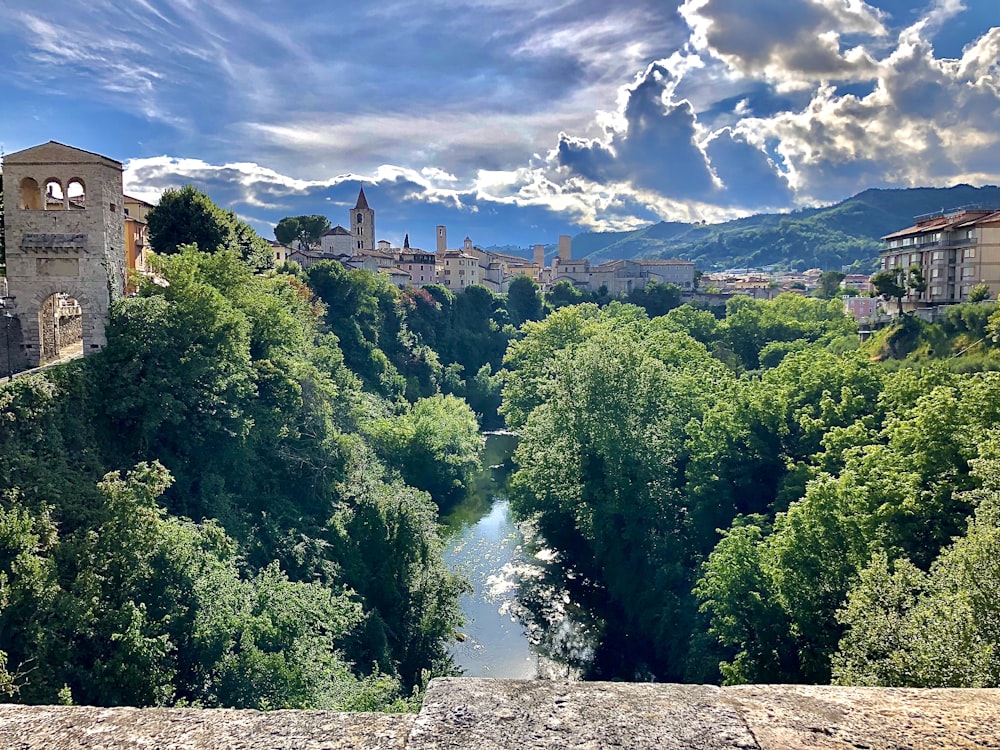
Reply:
x=363, y=224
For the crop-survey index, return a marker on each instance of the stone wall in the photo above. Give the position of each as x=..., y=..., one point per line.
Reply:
x=69, y=330
x=476, y=714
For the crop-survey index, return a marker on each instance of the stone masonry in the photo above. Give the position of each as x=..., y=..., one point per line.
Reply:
x=65, y=234
x=479, y=714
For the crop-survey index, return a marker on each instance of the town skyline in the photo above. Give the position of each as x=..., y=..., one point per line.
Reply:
x=577, y=117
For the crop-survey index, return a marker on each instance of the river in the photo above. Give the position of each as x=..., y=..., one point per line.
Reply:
x=519, y=621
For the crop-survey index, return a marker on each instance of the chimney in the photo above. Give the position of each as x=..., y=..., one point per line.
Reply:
x=564, y=248
x=540, y=256
x=442, y=239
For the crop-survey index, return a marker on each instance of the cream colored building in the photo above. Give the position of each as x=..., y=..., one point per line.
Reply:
x=955, y=250
x=457, y=269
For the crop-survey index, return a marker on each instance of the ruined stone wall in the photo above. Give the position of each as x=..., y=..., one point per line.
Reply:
x=69, y=330
x=47, y=330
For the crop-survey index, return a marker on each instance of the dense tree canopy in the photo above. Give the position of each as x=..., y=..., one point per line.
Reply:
x=303, y=230
x=195, y=514
x=189, y=217
x=759, y=503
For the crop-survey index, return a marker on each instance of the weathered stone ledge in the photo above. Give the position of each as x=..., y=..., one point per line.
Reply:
x=500, y=714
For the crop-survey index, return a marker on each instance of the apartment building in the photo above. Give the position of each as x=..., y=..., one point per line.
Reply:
x=955, y=250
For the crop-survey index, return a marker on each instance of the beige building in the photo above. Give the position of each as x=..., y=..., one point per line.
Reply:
x=955, y=251
x=457, y=269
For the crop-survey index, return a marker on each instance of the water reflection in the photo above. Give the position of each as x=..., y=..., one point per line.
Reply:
x=520, y=620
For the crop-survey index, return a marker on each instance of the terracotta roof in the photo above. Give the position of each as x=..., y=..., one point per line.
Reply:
x=948, y=221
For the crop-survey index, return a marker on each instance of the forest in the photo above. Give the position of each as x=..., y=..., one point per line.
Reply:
x=236, y=502
x=756, y=497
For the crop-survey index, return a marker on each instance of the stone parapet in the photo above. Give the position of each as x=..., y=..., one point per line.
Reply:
x=482, y=714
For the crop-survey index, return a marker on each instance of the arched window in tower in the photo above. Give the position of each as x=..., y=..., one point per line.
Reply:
x=76, y=191
x=361, y=218
x=55, y=199
x=31, y=195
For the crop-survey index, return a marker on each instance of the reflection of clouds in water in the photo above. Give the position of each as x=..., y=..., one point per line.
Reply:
x=520, y=620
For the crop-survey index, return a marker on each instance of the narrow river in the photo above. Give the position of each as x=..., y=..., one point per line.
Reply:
x=519, y=623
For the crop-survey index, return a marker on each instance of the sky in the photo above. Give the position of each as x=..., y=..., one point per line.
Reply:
x=511, y=121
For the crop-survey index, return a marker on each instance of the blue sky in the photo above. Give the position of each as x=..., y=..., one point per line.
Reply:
x=511, y=121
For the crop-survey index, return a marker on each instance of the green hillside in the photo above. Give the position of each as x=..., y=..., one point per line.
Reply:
x=844, y=234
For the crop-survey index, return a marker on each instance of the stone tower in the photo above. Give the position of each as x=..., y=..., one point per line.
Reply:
x=65, y=236
x=363, y=224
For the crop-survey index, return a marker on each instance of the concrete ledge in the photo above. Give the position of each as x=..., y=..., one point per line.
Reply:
x=499, y=714
x=494, y=714
x=70, y=727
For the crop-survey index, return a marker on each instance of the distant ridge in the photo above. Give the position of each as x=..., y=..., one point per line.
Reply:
x=841, y=235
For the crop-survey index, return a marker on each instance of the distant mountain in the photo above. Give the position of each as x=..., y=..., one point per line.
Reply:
x=845, y=234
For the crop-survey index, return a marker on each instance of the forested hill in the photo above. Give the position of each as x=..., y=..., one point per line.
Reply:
x=844, y=234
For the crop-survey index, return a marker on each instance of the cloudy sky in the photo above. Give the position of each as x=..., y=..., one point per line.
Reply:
x=511, y=121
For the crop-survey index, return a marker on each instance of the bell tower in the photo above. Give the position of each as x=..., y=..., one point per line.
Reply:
x=363, y=224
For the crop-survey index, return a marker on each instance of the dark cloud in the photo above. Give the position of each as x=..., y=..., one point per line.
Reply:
x=657, y=151
x=749, y=178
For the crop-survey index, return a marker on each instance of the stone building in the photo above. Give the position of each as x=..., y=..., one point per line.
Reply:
x=65, y=236
x=363, y=224
x=64, y=214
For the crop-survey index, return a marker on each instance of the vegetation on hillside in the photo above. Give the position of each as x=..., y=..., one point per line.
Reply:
x=755, y=499
x=843, y=235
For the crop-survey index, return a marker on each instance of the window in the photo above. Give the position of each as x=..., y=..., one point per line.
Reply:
x=54, y=197
x=77, y=193
x=935, y=291
x=361, y=218
x=970, y=252
x=935, y=273
x=967, y=272
x=938, y=255
x=31, y=195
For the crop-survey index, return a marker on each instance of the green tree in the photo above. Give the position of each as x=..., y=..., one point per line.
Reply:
x=599, y=463
x=435, y=444
x=189, y=217
x=306, y=231
x=829, y=284
x=978, y=293
x=888, y=284
x=563, y=293
x=656, y=299
x=524, y=300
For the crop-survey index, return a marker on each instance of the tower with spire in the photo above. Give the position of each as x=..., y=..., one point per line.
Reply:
x=363, y=224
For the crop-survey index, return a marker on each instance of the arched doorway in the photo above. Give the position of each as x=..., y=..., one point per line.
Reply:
x=60, y=327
